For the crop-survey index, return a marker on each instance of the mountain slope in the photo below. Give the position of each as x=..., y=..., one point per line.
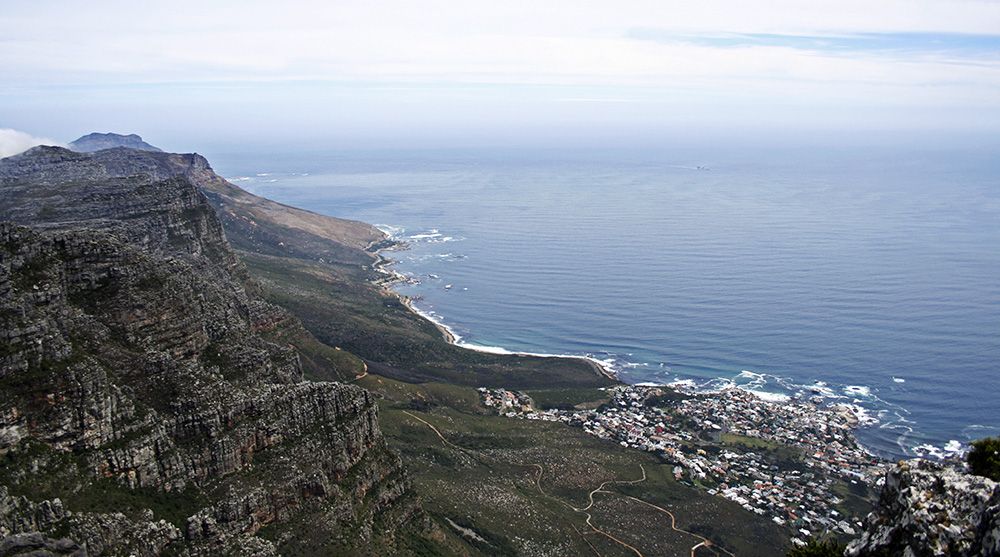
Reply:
x=322, y=268
x=139, y=375
x=254, y=224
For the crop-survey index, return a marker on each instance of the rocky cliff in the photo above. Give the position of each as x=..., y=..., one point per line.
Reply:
x=927, y=509
x=255, y=224
x=144, y=403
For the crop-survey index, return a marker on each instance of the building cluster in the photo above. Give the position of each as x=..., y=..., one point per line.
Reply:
x=781, y=460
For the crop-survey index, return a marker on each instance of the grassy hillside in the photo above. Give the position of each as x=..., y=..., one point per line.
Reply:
x=519, y=487
x=342, y=308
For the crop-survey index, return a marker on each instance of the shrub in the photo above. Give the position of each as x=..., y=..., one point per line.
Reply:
x=984, y=458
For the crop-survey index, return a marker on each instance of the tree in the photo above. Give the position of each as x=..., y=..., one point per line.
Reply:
x=819, y=548
x=984, y=458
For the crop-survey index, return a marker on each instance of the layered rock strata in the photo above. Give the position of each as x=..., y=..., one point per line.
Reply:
x=142, y=406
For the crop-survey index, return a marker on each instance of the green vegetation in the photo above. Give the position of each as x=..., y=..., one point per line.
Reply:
x=340, y=307
x=753, y=443
x=984, y=458
x=781, y=455
x=568, y=399
x=856, y=497
x=40, y=472
x=819, y=548
x=319, y=361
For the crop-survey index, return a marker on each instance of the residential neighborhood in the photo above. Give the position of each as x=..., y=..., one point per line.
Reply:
x=794, y=461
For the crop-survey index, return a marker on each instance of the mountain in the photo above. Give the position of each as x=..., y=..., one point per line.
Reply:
x=150, y=400
x=100, y=141
x=254, y=224
x=169, y=351
x=322, y=269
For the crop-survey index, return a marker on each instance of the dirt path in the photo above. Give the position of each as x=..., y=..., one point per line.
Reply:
x=600, y=488
x=612, y=538
x=435, y=430
x=703, y=541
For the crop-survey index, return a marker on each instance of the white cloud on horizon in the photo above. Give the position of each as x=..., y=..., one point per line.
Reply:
x=553, y=41
x=183, y=47
x=13, y=142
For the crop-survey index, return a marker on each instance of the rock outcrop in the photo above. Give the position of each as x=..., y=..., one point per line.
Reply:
x=254, y=224
x=928, y=509
x=99, y=141
x=144, y=405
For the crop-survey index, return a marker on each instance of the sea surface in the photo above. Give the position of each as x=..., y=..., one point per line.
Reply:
x=867, y=276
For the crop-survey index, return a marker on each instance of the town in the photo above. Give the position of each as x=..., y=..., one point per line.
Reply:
x=795, y=461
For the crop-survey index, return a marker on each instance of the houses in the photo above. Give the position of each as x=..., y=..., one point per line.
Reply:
x=690, y=432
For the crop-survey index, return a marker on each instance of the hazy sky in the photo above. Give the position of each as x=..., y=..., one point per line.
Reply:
x=468, y=71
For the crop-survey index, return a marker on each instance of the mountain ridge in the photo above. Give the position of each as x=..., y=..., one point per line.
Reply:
x=142, y=372
x=100, y=141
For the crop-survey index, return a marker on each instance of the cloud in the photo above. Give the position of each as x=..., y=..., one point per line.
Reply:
x=13, y=142
x=242, y=62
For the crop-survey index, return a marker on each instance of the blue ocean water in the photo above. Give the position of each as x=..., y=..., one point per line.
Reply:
x=868, y=276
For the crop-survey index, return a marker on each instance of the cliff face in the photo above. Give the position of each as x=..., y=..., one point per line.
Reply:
x=254, y=224
x=143, y=405
x=929, y=510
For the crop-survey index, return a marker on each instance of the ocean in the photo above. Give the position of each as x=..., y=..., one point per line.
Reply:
x=862, y=276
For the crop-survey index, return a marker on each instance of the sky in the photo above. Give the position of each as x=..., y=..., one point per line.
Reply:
x=186, y=74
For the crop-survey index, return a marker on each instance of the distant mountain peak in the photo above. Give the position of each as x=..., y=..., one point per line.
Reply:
x=100, y=141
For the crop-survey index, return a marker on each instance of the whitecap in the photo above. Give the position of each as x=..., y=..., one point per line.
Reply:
x=683, y=384
x=954, y=446
x=390, y=230
x=951, y=449
x=898, y=380
x=769, y=397
x=861, y=414
x=821, y=388
x=927, y=449
x=858, y=390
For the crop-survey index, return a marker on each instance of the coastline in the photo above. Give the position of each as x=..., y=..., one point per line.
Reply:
x=383, y=265
x=864, y=417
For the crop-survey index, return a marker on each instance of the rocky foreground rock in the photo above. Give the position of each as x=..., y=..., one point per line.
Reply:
x=144, y=406
x=927, y=510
